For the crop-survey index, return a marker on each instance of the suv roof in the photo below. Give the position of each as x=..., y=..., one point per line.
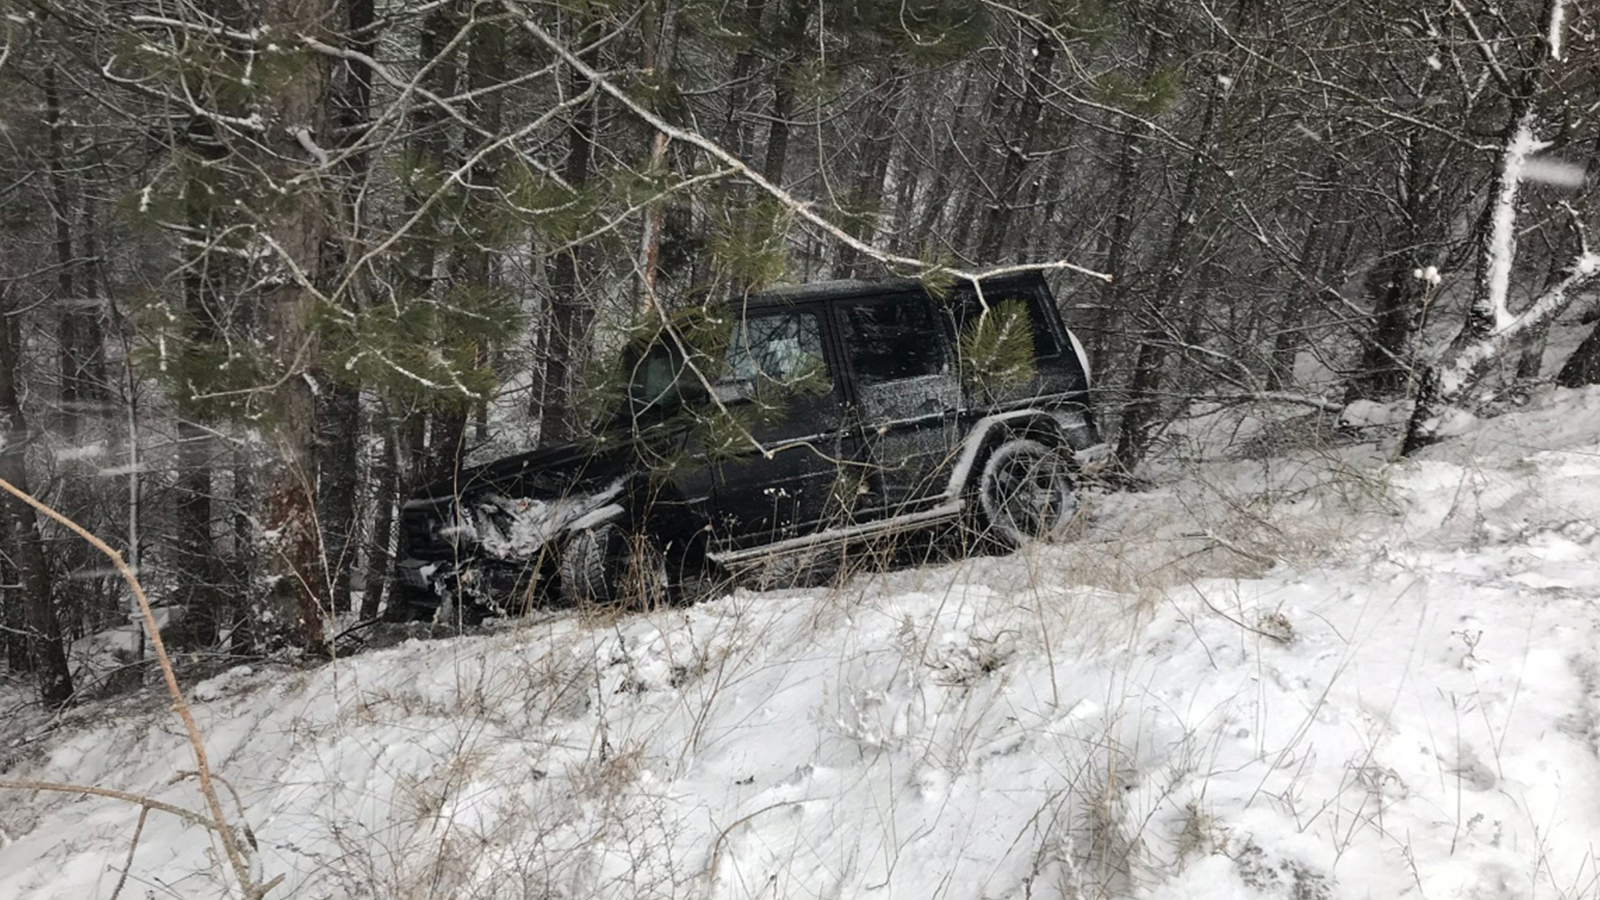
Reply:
x=850, y=288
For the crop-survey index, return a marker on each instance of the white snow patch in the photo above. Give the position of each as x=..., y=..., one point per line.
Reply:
x=1404, y=701
x=1370, y=414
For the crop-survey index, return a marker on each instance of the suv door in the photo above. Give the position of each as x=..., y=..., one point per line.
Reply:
x=782, y=389
x=905, y=393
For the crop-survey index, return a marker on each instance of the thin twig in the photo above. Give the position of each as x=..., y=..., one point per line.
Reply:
x=127, y=865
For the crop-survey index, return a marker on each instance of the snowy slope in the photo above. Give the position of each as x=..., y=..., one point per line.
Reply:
x=1321, y=674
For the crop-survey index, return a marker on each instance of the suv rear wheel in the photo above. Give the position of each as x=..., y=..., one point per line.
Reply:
x=1025, y=493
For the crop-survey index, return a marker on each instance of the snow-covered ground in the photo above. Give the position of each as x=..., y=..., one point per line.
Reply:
x=1314, y=674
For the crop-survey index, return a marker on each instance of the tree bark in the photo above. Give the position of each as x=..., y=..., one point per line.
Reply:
x=339, y=411
x=337, y=483
x=793, y=17
x=1447, y=383
x=1297, y=301
x=194, y=551
x=298, y=225
x=1020, y=143
x=569, y=313
x=13, y=627
x=871, y=168
x=1134, y=141
x=385, y=477
x=1399, y=310
x=734, y=134
x=61, y=212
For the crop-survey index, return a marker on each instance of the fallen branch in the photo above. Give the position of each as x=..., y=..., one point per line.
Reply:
x=133, y=846
x=148, y=803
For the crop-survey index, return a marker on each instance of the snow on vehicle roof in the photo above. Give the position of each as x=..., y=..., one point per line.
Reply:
x=847, y=288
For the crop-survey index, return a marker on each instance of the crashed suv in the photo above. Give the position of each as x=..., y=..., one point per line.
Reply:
x=797, y=420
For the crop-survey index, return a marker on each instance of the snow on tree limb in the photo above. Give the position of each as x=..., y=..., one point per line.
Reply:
x=1489, y=306
x=1490, y=330
x=1459, y=372
x=1447, y=383
x=1558, y=14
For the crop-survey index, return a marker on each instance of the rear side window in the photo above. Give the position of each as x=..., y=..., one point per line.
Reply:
x=965, y=309
x=891, y=339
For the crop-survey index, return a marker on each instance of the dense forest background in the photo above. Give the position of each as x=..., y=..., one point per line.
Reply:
x=269, y=264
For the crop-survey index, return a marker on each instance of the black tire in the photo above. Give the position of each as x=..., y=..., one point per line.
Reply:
x=1025, y=493
x=607, y=564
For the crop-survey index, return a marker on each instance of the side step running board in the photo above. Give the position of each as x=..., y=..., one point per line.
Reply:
x=946, y=512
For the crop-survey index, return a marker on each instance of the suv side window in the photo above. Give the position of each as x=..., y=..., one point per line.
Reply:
x=784, y=349
x=891, y=339
x=964, y=309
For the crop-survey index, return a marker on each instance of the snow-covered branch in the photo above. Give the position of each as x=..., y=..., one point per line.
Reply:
x=1489, y=312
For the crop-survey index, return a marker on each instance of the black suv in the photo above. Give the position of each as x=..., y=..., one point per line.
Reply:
x=823, y=414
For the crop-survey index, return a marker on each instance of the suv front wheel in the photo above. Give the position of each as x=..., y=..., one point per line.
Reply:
x=1025, y=493
x=606, y=564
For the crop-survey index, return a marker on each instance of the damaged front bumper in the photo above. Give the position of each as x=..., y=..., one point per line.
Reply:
x=491, y=547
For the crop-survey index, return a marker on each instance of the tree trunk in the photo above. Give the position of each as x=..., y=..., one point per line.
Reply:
x=569, y=313
x=298, y=225
x=385, y=476
x=1399, y=309
x=1583, y=366
x=245, y=636
x=1297, y=301
x=1490, y=331
x=194, y=551
x=1020, y=143
x=339, y=411
x=338, y=478
x=1134, y=138
x=793, y=17
x=938, y=192
x=48, y=655
x=871, y=168
x=1139, y=414
x=67, y=338
x=13, y=627
x=1447, y=383
x=778, y=132
x=735, y=136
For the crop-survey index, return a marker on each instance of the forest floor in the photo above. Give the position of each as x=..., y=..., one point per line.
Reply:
x=1292, y=668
